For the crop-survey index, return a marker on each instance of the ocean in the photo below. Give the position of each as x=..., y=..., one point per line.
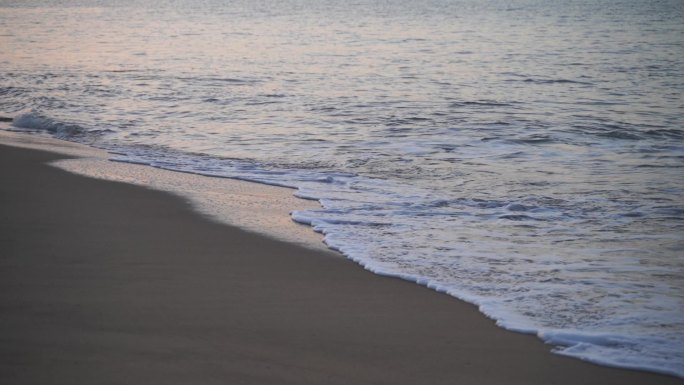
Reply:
x=525, y=156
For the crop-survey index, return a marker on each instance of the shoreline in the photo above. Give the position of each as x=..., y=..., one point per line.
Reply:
x=152, y=291
x=253, y=206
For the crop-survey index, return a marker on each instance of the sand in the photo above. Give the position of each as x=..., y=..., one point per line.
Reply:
x=110, y=283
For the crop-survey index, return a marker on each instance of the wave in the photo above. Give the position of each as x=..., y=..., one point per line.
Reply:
x=600, y=349
x=37, y=121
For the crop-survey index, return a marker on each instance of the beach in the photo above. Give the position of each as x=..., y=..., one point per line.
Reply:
x=525, y=159
x=110, y=283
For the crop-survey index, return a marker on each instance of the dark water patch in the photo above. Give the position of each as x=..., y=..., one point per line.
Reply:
x=619, y=134
x=399, y=130
x=513, y=155
x=481, y=103
x=554, y=81
x=235, y=81
x=610, y=130
x=533, y=139
x=657, y=166
x=671, y=133
x=262, y=102
x=519, y=207
x=634, y=214
x=12, y=91
x=360, y=121
x=597, y=103
x=519, y=217
x=490, y=138
x=123, y=71
x=671, y=212
x=446, y=147
x=101, y=131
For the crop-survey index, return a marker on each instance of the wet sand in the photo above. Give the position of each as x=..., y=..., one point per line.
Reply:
x=109, y=283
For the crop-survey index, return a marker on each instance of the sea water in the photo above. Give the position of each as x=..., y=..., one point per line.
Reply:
x=523, y=156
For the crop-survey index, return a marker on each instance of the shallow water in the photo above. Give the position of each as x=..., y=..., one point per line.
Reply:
x=527, y=159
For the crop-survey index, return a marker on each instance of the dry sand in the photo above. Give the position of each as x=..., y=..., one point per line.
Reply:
x=110, y=283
